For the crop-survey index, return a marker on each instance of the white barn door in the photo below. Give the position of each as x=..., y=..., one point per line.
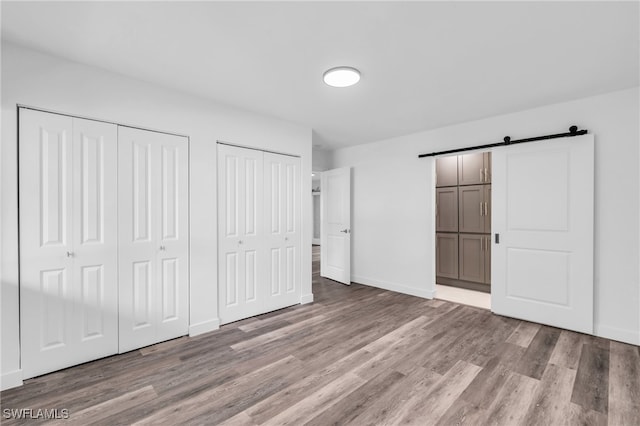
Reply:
x=335, y=259
x=68, y=241
x=542, y=266
x=240, y=232
x=282, y=230
x=153, y=237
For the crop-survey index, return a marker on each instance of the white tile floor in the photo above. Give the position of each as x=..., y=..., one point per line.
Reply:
x=464, y=296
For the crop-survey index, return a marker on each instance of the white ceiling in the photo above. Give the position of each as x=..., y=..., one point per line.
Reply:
x=424, y=64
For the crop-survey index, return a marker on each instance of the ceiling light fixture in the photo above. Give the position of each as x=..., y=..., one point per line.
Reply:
x=341, y=76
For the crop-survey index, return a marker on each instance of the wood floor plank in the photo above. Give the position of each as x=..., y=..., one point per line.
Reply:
x=524, y=334
x=591, y=387
x=535, y=359
x=426, y=408
x=512, y=402
x=568, y=349
x=552, y=402
x=624, y=384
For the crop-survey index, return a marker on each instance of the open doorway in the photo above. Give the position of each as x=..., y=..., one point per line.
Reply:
x=463, y=228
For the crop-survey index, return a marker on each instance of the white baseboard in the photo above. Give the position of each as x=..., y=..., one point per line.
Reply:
x=399, y=288
x=306, y=298
x=11, y=379
x=204, y=327
x=619, y=334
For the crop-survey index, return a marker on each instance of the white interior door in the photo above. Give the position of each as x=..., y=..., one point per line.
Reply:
x=153, y=237
x=241, y=267
x=68, y=241
x=335, y=260
x=542, y=267
x=282, y=230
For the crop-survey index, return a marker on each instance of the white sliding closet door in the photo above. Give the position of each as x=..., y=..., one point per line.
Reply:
x=153, y=237
x=240, y=232
x=282, y=230
x=68, y=241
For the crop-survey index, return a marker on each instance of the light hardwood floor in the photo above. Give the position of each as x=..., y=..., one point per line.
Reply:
x=357, y=355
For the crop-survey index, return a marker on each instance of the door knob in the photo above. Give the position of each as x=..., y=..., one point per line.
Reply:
x=162, y=248
x=239, y=241
x=346, y=231
x=286, y=238
x=69, y=254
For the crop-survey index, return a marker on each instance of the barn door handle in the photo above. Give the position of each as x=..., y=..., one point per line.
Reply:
x=497, y=238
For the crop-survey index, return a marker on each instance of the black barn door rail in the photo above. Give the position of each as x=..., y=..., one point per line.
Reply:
x=573, y=131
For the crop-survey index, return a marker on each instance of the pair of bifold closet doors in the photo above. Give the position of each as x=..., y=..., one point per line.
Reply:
x=259, y=235
x=104, y=244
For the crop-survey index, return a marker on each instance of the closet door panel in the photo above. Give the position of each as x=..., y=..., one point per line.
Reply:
x=240, y=247
x=95, y=215
x=282, y=219
x=173, y=236
x=471, y=208
x=137, y=211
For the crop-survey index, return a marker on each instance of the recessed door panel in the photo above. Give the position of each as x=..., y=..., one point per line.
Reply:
x=55, y=186
x=274, y=200
x=251, y=197
x=141, y=189
x=276, y=271
x=92, y=301
x=55, y=296
x=447, y=255
x=92, y=188
x=142, y=295
x=471, y=169
x=231, y=279
x=471, y=257
x=447, y=171
x=251, y=276
x=170, y=288
x=291, y=263
x=170, y=192
x=447, y=209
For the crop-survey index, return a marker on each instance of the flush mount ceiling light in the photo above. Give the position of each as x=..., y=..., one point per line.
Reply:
x=341, y=76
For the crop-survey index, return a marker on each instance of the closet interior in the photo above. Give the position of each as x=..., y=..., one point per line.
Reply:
x=463, y=221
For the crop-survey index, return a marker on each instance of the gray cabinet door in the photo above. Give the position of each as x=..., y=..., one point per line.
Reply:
x=471, y=208
x=487, y=208
x=447, y=255
x=447, y=171
x=471, y=169
x=447, y=209
x=471, y=257
x=487, y=167
x=487, y=259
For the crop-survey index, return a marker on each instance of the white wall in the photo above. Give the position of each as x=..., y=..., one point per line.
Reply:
x=321, y=160
x=392, y=240
x=42, y=81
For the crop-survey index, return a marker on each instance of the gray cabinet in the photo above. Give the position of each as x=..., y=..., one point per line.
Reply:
x=475, y=258
x=474, y=169
x=471, y=208
x=447, y=255
x=447, y=209
x=447, y=171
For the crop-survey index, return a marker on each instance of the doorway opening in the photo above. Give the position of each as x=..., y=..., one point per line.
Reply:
x=463, y=229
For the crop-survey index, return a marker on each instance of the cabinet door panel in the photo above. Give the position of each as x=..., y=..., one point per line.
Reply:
x=472, y=261
x=447, y=209
x=447, y=171
x=471, y=208
x=487, y=209
x=471, y=169
x=447, y=255
x=487, y=167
